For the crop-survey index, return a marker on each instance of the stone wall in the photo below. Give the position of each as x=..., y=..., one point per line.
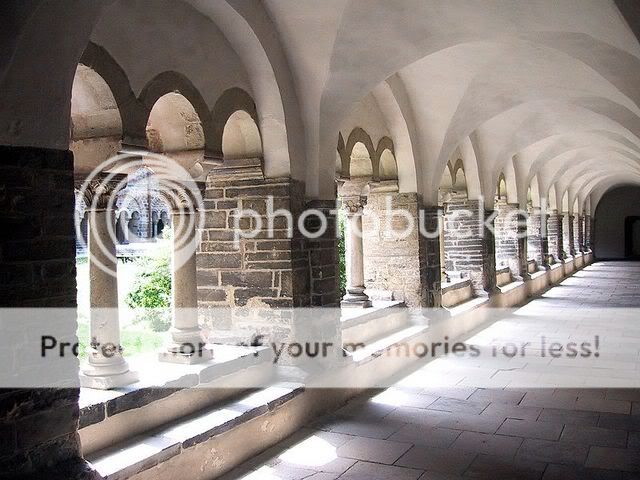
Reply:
x=506, y=231
x=567, y=237
x=37, y=269
x=577, y=233
x=275, y=268
x=392, y=261
x=534, y=237
x=463, y=240
x=555, y=236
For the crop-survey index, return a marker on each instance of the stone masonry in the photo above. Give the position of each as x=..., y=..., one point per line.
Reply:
x=37, y=269
x=506, y=231
x=534, y=236
x=392, y=265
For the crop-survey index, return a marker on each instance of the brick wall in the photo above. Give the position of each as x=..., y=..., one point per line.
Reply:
x=392, y=265
x=37, y=269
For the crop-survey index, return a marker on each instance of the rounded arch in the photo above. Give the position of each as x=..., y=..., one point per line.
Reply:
x=174, y=125
x=241, y=137
x=360, y=161
x=501, y=187
x=361, y=142
x=231, y=101
x=388, y=168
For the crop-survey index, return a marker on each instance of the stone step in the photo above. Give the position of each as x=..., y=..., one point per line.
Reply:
x=139, y=455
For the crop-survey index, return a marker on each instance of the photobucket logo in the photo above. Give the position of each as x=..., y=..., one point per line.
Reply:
x=102, y=189
x=383, y=220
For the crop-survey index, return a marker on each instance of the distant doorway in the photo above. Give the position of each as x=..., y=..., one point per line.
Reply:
x=632, y=237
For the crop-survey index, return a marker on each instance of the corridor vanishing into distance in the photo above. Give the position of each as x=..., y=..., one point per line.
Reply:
x=476, y=419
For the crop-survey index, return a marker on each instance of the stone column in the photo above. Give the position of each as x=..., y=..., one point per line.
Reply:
x=433, y=256
x=106, y=367
x=489, y=253
x=522, y=244
x=534, y=237
x=544, y=240
x=187, y=344
x=580, y=234
x=587, y=233
x=506, y=236
x=355, y=296
x=569, y=235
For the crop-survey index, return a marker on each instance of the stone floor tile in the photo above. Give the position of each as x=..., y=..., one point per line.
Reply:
x=489, y=467
x=454, y=405
x=571, y=472
x=629, y=394
x=497, y=445
x=568, y=417
x=376, y=471
x=603, y=405
x=431, y=437
x=634, y=440
x=625, y=459
x=418, y=416
x=553, y=452
x=472, y=423
x=436, y=459
x=513, y=411
x=618, y=421
x=494, y=395
x=373, y=450
x=596, y=436
x=529, y=429
x=461, y=393
x=370, y=429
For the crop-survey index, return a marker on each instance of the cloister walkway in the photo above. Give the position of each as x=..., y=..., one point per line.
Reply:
x=496, y=418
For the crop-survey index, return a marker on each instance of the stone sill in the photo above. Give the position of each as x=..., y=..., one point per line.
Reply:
x=146, y=451
x=159, y=380
x=467, y=306
x=352, y=316
x=510, y=286
x=537, y=274
x=375, y=349
x=556, y=265
x=455, y=285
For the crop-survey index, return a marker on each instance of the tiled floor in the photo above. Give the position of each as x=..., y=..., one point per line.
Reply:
x=535, y=416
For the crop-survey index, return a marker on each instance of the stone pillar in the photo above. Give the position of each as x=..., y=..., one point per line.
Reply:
x=569, y=235
x=579, y=235
x=106, y=367
x=187, y=344
x=355, y=296
x=506, y=236
x=535, y=237
x=544, y=240
x=489, y=281
x=556, y=236
x=522, y=243
x=587, y=233
x=393, y=266
x=323, y=256
x=463, y=240
x=432, y=249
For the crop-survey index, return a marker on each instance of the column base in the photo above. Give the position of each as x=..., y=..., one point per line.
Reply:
x=172, y=355
x=108, y=382
x=356, y=297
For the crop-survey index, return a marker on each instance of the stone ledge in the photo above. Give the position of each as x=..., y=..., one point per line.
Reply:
x=157, y=383
x=147, y=451
x=510, y=286
x=466, y=306
x=375, y=349
x=355, y=316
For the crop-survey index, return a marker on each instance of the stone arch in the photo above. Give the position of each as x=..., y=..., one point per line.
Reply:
x=534, y=193
x=231, y=101
x=96, y=122
x=388, y=169
x=360, y=161
x=501, y=187
x=132, y=115
x=241, y=137
x=174, y=125
x=359, y=136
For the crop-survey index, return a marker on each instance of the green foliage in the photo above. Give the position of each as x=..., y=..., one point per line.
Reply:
x=342, y=253
x=152, y=292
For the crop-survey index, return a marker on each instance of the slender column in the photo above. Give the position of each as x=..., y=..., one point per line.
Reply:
x=489, y=253
x=188, y=345
x=588, y=239
x=355, y=296
x=106, y=367
x=534, y=237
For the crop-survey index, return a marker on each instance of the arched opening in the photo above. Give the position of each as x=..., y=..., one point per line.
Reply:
x=360, y=162
x=241, y=137
x=388, y=167
x=632, y=237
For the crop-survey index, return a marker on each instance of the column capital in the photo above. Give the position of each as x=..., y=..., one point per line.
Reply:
x=182, y=199
x=101, y=192
x=354, y=205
